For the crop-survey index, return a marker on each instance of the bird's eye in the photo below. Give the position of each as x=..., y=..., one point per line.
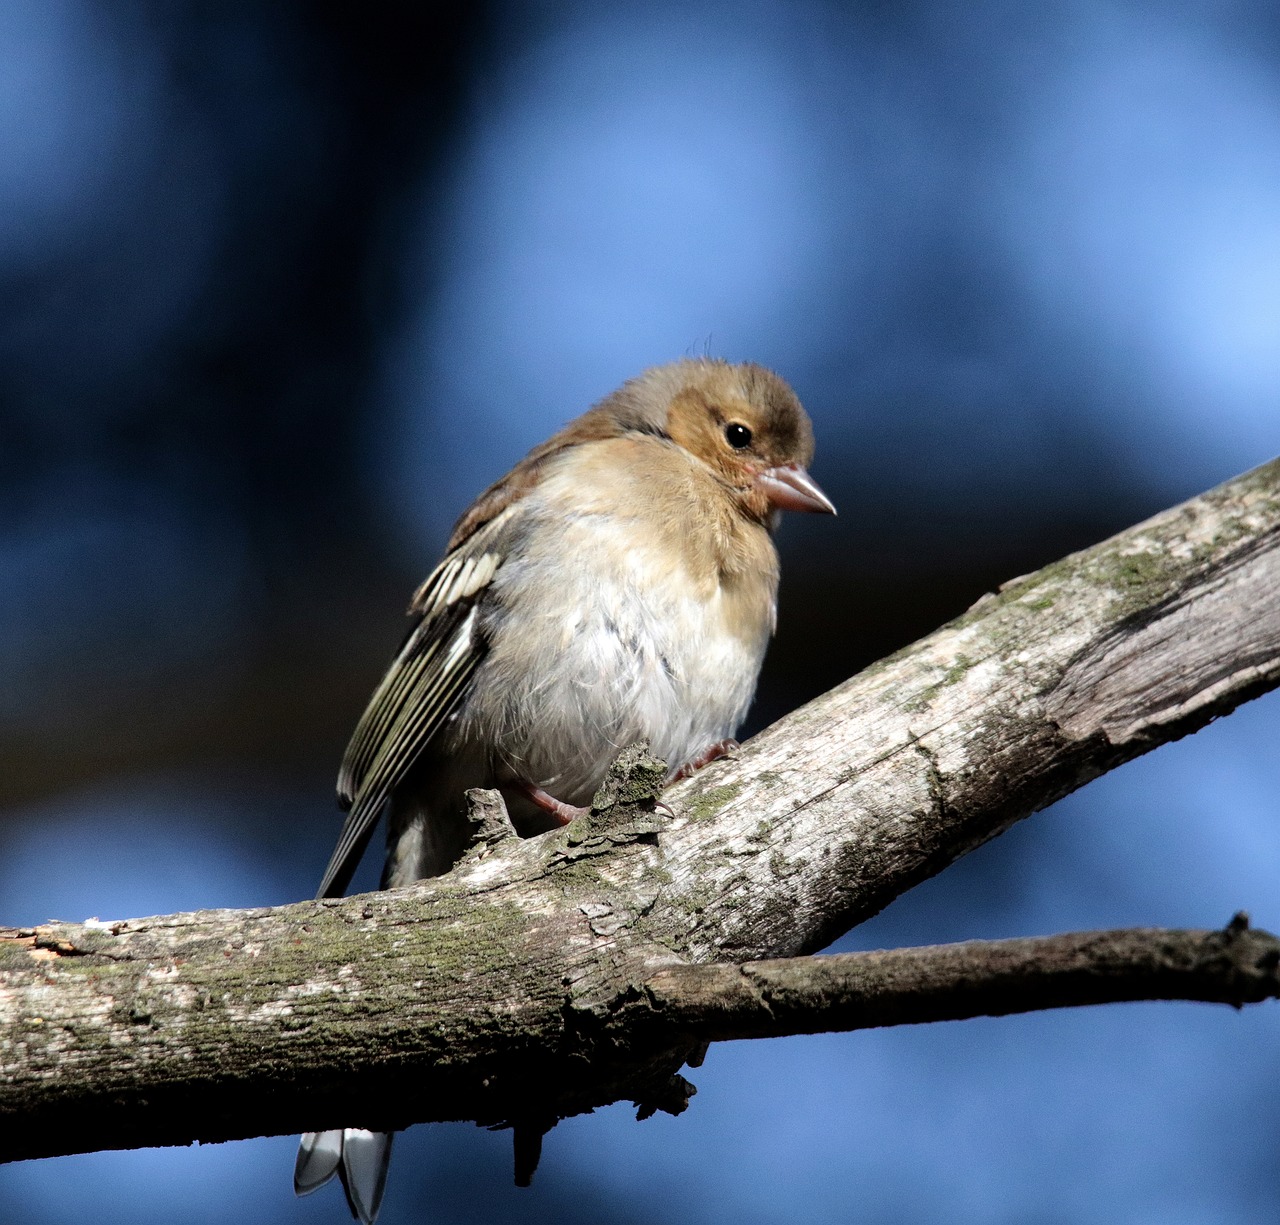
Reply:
x=737, y=435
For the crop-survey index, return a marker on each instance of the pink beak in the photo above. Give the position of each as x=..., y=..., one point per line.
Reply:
x=790, y=487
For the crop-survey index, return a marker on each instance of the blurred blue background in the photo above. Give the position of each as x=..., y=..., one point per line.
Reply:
x=282, y=286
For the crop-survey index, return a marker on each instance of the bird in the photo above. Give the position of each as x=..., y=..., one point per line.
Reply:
x=619, y=584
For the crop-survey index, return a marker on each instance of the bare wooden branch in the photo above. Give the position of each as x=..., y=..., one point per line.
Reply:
x=490, y=994
x=953, y=982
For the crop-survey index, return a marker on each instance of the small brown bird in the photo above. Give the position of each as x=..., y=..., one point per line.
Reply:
x=619, y=583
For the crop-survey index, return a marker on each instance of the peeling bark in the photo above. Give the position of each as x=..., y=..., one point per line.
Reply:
x=521, y=987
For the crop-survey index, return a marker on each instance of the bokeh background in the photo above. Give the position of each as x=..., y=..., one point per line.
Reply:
x=283, y=285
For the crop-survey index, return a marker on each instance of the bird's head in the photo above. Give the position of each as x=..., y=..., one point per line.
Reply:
x=743, y=422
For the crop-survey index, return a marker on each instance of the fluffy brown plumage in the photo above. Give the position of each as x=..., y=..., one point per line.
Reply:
x=618, y=583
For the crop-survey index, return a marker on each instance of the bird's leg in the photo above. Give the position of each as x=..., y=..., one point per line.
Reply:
x=713, y=752
x=563, y=813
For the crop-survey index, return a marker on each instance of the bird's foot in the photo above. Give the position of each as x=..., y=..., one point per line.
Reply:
x=562, y=812
x=713, y=752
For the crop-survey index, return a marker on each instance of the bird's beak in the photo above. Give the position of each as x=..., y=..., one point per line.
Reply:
x=790, y=487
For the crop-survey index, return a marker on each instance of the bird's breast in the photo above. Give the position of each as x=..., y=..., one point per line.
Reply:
x=602, y=634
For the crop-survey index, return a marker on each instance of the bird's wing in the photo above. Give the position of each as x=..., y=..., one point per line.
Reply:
x=422, y=687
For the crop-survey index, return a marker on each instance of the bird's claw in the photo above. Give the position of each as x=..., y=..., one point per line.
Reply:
x=562, y=812
x=713, y=752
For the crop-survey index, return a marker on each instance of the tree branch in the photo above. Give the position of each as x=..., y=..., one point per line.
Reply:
x=495, y=993
x=954, y=982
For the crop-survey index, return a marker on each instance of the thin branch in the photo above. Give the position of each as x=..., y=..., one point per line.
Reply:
x=953, y=982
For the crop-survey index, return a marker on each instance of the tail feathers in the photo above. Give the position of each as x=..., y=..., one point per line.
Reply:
x=366, y=1155
x=360, y=1158
x=319, y=1155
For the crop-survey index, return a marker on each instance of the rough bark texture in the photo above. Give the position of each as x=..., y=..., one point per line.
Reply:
x=515, y=988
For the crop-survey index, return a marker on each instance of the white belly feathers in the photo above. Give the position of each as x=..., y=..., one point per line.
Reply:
x=649, y=650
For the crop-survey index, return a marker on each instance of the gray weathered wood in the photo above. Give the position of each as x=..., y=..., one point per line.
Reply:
x=493, y=993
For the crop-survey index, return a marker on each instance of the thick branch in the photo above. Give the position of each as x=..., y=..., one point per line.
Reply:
x=485, y=994
x=1057, y=678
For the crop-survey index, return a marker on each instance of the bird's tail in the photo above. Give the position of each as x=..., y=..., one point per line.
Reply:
x=359, y=1158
